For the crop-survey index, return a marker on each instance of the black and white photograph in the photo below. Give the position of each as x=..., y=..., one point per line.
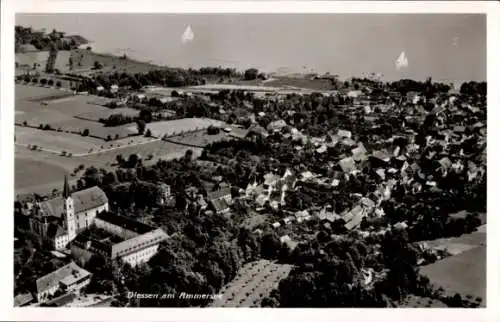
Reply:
x=249, y=160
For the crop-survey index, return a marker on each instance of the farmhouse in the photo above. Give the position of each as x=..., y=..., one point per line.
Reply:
x=68, y=279
x=118, y=238
x=58, y=220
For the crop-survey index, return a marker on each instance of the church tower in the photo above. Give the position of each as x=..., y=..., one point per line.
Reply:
x=69, y=211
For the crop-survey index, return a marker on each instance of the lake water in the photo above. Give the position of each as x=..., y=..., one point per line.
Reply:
x=444, y=46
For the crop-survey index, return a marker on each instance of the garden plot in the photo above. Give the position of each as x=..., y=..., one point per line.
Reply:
x=253, y=283
x=55, y=141
x=175, y=127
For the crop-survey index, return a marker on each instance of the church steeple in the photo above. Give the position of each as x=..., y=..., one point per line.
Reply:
x=66, y=191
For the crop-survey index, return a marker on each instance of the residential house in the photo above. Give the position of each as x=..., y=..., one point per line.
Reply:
x=276, y=126
x=23, y=299
x=344, y=134
x=354, y=217
x=68, y=279
x=359, y=153
x=220, y=200
x=288, y=241
x=165, y=193
x=347, y=165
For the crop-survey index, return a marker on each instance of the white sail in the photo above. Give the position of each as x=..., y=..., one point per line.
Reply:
x=402, y=61
x=188, y=35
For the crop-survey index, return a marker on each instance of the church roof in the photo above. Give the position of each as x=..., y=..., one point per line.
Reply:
x=83, y=200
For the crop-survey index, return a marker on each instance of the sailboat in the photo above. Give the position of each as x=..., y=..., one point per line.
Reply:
x=188, y=35
x=402, y=61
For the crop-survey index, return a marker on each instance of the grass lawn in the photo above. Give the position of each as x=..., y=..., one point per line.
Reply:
x=464, y=273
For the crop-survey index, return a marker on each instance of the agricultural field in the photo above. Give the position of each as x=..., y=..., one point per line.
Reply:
x=96, y=129
x=60, y=113
x=104, y=113
x=457, y=245
x=199, y=138
x=170, y=128
x=306, y=83
x=464, y=273
x=31, y=172
x=40, y=171
x=32, y=93
x=84, y=60
x=157, y=149
x=56, y=141
x=40, y=57
x=253, y=283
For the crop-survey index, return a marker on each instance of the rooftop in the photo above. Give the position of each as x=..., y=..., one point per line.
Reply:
x=124, y=222
x=52, y=279
x=83, y=200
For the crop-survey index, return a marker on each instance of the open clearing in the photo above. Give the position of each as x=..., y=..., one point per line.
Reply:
x=253, y=283
x=56, y=141
x=464, y=273
x=160, y=129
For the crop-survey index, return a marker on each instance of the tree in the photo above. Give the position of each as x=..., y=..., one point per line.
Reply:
x=43, y=81
x=148, y=133
x=212, y=130
x=251, y=74
x=50, y=82
x=86, y=132
x=98, y=65
x=141, y=126
x=120, y=159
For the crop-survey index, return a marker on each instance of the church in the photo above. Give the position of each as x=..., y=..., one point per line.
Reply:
x=59, y=220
